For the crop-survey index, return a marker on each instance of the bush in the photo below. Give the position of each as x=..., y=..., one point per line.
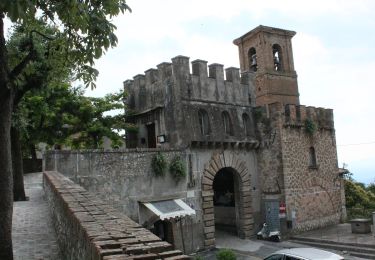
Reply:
x=226, y=254
x=177, y=168
x=360, y=203
x=159, y=164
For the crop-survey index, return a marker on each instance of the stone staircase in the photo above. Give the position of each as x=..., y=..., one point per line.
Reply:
x=353, y=249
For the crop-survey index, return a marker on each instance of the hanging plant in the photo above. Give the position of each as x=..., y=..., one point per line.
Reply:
x=310, y=126
x=177, y=168
x=159, y=164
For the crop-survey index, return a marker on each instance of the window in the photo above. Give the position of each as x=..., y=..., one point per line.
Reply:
x=246, y=124
x=204, y=122
x=275, y=257
x=227, y=123
x=277, y=57
x=312, y=158
x=252, y=56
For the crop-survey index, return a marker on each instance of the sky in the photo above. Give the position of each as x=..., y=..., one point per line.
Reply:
x=333, y=54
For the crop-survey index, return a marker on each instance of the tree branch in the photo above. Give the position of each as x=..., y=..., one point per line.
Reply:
x=20, y=67
x=29, y=57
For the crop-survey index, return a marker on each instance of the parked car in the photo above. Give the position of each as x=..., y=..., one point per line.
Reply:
x=305, y=253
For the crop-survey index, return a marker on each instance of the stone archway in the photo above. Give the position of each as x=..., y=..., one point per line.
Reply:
x=245, y=221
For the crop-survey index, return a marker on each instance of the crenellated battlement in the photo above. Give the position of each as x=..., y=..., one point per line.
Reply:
x=297, y=115
x=203, y=82
x=180, y=65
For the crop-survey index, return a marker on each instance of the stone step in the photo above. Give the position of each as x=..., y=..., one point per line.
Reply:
x=358, y=251
x=319, y=240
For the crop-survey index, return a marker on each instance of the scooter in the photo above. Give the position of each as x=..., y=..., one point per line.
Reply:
x=266, y=234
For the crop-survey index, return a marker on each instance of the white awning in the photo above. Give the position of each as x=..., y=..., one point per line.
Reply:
x=167, y=209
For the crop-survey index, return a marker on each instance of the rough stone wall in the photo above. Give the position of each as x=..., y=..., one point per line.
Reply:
x=269, y=154
x=312, y=193
x=88, y=228
x=122, y=178
x=177, y=92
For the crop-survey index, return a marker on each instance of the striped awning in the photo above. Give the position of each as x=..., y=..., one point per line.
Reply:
x=169, y=209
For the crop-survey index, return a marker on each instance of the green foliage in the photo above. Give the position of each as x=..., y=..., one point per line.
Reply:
x=310, y=126
x=159, y=164
x=177, y=168
x=226, y=254
x=359, y=201
x=198, y=258
x=371, y=187
x=258, y=114
x=84, y=32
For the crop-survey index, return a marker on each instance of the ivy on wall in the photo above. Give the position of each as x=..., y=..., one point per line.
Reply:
x=310, y=126
x=177, y=168
x=159, y=164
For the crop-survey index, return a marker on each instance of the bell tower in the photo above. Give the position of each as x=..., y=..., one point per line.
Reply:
x=267, y=51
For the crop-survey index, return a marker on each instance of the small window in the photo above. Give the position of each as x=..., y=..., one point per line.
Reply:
x=277, y=57
x=204, y=122
x=252, y=56
x=312, y=158
x=246, y=124
x=228, y=129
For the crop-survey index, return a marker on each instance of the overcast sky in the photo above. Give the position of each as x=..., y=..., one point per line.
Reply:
x=333, y=53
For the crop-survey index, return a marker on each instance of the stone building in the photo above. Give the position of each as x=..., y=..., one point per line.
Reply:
x=252, y=153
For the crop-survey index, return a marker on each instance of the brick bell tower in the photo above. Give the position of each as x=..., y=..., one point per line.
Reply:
x=267, y=51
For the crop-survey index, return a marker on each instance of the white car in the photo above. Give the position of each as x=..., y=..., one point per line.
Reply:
x=303, y=254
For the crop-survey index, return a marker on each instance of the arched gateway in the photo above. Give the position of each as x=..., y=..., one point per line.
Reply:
x=225, y=163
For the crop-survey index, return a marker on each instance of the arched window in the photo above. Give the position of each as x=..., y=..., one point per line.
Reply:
x=277, y=57
x=246, y=124
x=204, y=122
x=252, y=56
x=312, y=158
x=228, y=129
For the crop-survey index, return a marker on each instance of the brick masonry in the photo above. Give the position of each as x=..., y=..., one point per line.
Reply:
x=87, y=228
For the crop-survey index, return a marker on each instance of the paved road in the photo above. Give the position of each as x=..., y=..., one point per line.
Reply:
x=33, y=234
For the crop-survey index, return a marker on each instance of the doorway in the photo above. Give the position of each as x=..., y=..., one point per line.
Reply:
x=151, y=136
x=163, y=229
x=225, y=187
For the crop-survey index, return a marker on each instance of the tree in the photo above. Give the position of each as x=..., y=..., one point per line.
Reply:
x=371, y=187
x=61, y=115
x=89, y=31
x=93, y=121
x=38, y=74
x=359, y=201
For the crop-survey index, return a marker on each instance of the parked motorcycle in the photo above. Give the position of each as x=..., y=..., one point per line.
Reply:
x=266, y=234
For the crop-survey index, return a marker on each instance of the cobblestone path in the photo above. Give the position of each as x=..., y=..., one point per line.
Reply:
x=33, y=233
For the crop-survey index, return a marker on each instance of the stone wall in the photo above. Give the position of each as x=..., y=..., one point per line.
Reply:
x=171, y=95
x=124, y=179
x=87, y=228
x=312, y=193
